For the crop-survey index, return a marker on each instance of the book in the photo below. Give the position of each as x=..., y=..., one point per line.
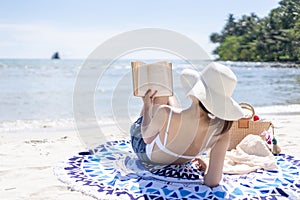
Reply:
x=155, y=76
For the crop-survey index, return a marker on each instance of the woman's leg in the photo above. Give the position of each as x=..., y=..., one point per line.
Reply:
x=137, y=142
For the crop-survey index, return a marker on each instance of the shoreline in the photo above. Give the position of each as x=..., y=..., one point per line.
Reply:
x=279, y=64
x=31, y=153
x=108, y=121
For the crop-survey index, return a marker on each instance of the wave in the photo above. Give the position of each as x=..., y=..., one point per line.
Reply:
x=279, y=109
x=52, y=124
x=70, y=123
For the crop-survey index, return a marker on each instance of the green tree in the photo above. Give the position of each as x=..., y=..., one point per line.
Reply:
x=273, y=38
x=229, y=49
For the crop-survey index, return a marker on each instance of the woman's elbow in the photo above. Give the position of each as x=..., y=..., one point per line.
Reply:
x=147, y=140
x=213, y=179
x=212, y=182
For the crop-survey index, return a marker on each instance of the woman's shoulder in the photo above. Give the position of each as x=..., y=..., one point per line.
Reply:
x=166, y=109
x=162, y=110
x=217, y=125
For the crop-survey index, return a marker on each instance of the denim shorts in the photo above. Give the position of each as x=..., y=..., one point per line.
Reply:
x=137, y=142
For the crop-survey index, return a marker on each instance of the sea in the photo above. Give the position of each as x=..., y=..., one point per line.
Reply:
x=41, y=92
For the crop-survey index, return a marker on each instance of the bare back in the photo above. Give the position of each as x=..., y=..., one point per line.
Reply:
x=189, y=134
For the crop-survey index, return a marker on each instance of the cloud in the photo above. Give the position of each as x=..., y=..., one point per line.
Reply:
x=40, y=40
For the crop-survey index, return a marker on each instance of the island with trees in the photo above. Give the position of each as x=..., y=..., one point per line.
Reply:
x=275, y=37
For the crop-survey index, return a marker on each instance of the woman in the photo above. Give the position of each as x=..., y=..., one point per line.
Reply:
x=171, y=136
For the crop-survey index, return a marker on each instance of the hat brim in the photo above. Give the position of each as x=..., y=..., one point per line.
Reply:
x=221, y=106
x=189, y=78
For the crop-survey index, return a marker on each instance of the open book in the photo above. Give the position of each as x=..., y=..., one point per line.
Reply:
x=154, y=76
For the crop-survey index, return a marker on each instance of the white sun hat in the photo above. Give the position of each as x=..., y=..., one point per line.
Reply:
x=189, y=78
x=214, y=87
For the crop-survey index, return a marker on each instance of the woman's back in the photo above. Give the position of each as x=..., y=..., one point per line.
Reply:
x=189, y=134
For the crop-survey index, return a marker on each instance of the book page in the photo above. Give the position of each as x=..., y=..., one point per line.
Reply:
x=154, y=76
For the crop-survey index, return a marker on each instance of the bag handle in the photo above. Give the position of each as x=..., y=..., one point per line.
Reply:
x=247, y=106
x=244, y=122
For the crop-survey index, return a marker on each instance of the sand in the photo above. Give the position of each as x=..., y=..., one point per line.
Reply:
x=29, y=155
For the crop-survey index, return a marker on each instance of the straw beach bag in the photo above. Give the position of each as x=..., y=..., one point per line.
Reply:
x=245, y=126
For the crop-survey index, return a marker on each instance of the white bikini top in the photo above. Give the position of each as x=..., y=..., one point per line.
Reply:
x=149, y=147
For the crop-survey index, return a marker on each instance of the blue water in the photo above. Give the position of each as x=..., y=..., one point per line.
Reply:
x=36, y=89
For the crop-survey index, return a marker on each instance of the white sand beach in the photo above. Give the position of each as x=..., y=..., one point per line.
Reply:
x=65, y=61
x=28, y=157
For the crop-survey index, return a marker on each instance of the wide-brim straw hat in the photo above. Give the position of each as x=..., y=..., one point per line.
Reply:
x=214, y=86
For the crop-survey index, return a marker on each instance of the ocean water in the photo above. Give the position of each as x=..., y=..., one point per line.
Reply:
x=42, y=90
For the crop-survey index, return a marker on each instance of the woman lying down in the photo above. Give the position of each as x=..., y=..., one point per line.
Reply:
x=166, y=135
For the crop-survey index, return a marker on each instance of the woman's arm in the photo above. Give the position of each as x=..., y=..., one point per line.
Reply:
x=216, y=161
x=151, y=125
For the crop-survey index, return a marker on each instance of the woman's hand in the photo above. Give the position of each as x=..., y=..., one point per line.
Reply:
x=200, y=164
x=149, y=98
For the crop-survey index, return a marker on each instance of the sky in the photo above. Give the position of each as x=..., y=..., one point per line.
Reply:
x=37, y=28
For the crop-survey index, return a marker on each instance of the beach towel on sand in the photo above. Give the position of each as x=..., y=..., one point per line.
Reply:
x=112, y=171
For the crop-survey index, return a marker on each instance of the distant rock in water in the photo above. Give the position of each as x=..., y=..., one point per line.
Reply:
x=55, y=56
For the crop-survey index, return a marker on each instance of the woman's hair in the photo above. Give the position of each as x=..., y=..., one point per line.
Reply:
x=227, y=124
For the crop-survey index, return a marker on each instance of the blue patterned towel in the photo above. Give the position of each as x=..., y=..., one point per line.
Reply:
x=112, y=171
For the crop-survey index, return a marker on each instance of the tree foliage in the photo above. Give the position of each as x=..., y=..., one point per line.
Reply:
x=275, y=37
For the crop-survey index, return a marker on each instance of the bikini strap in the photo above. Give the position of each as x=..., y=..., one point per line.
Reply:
x=168, y=125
